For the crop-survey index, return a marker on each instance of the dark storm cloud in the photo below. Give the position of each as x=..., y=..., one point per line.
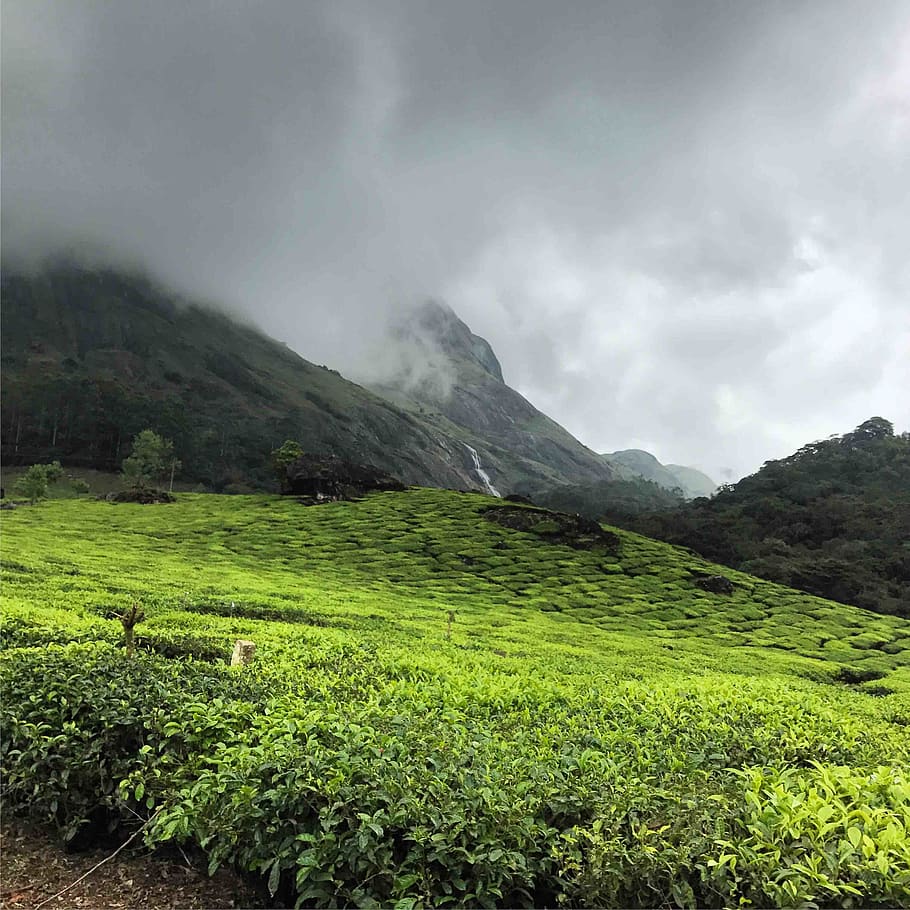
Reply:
x=681, y=225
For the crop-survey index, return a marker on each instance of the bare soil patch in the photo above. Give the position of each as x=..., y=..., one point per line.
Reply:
x=33, y=867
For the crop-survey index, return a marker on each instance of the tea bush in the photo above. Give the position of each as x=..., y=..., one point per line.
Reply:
x=77, y=721
x=598, y=731
x=855, y=827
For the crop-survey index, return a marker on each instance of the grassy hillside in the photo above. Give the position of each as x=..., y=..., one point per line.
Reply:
x=591, y=728
x=832, y=519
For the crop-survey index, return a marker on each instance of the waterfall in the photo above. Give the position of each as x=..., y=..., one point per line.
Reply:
x=481, y=473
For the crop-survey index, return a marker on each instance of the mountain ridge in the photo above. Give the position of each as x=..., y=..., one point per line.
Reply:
x=93, y=356
x=639, y=463
x=521, y=448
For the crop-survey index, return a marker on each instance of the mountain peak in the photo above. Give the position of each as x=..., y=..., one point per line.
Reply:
x=437, y=323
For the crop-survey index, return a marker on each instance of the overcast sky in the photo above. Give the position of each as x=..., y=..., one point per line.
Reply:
x=684, y=226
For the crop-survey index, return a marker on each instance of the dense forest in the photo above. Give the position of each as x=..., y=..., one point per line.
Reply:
x=832, y=519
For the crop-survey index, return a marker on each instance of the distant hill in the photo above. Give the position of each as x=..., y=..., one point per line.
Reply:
x=694, y=483
x=612, y=501
x=638, y=463
x=641, y=484
x=833, y=519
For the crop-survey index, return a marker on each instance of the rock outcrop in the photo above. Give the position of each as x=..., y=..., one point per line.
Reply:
x=145, y=497
x=322, y=478
x=558, y=527
x=450, y=378
x=715, y=584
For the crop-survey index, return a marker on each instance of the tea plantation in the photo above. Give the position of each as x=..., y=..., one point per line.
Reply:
x=443, y=711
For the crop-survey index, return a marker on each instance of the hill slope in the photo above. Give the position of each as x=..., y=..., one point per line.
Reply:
x=589, y=727
x=92, y=357
x=832, y=519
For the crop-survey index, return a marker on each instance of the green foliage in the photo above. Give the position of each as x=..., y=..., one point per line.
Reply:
x=151, y=459
x=855, y=827
x=598, y=731
x=833, y=519
x=281, y=457
x=77, y=721
x=609, y=500
x=33, y=484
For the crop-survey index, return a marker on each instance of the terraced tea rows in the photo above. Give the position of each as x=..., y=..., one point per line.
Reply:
x=591, y=728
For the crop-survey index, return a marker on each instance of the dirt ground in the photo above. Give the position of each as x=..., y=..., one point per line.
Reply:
x=33, y=867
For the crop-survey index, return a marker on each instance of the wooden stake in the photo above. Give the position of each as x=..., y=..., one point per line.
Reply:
x=243, y=652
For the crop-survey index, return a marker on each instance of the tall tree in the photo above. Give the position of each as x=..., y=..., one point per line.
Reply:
x=152, y=458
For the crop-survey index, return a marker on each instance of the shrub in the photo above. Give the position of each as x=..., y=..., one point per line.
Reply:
x=33, y=483
x=78, y=720
x=152, y=456
x=829, y=835
x=282, y=457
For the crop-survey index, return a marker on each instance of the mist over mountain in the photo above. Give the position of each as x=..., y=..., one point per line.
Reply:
x=405, y=301
x=636, y=463
x=451, y=378
x=679, y=225
x=91, y=357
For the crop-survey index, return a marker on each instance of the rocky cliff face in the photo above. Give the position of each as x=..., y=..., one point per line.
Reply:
x=519, y=447
x=435, y=327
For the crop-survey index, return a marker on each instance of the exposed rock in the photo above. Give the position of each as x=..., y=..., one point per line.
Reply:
x=558, y=527
x=323, y=478
x=448, y=375
x=519, y=497
x=146, y=497
x=716, y=584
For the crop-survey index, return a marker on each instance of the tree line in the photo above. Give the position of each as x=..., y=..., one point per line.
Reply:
x=833, y=519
